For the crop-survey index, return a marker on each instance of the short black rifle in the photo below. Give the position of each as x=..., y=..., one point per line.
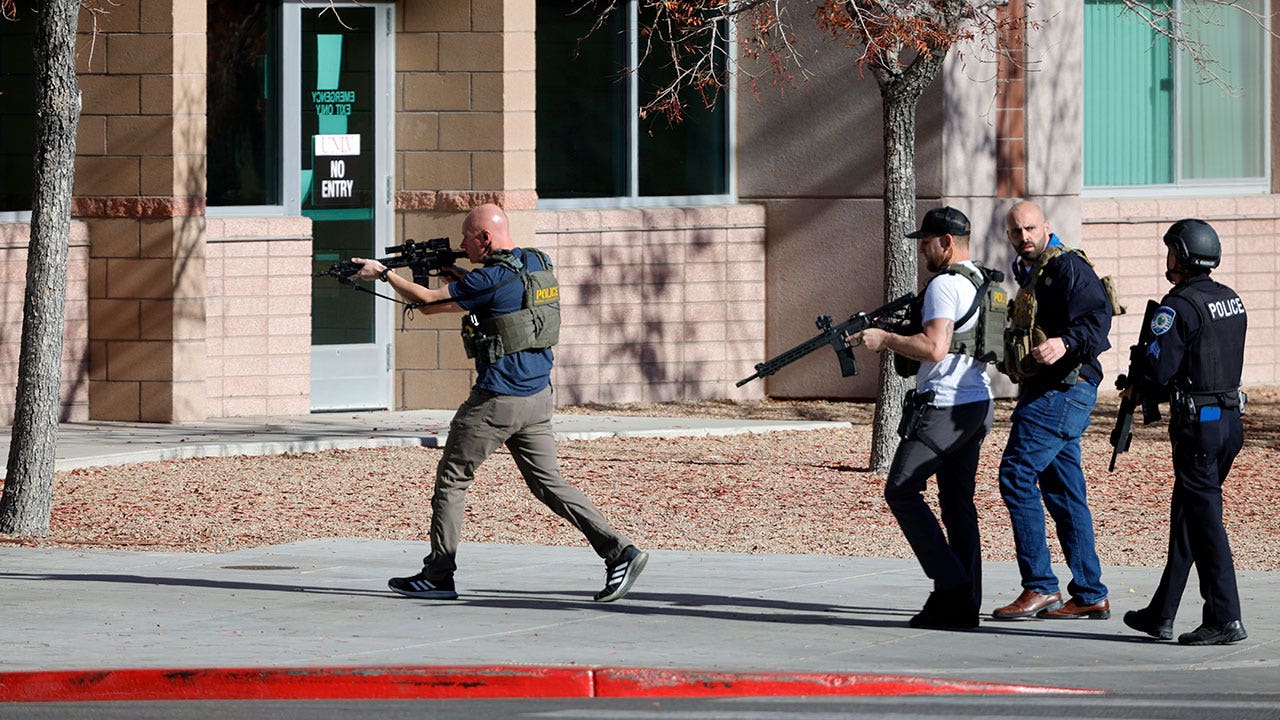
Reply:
x=1122, y=433
x=427, y=259
x=834, y=335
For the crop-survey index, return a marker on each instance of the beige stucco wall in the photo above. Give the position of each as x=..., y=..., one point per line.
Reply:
x=812, y=155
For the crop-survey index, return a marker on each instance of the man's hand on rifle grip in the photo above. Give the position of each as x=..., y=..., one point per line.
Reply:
x=369, y=269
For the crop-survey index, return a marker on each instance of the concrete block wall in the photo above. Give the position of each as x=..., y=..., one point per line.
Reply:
x=657, y=305
x=14, y=242
x=258, y=317
x=1124, y=239
x=139, y=186
x=464, y=136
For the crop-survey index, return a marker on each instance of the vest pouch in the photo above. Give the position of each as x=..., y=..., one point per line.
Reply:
x=477, y=344
x=1113, y=296
x=904, y=366
x=1018, y=363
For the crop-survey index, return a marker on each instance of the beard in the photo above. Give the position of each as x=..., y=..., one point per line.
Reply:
x=942, y=263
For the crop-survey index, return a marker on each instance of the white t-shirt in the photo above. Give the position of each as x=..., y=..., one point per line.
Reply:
x=958, y=378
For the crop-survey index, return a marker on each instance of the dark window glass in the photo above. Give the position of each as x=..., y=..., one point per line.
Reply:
x=589, y=132
x=581, y=103
x=17, y=110
x=243, y=103
x=685, y=158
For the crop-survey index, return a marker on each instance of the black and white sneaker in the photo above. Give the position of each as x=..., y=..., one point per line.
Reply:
x=620, y=575
x=424, y=586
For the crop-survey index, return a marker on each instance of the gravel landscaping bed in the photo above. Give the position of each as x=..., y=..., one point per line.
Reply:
x=787, y=492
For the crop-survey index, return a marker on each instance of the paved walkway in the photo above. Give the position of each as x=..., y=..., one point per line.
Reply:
x=324, y=603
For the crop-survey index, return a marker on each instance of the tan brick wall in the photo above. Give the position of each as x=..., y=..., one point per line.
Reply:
x=258, y=317
x=140, y=187
x=14, y=241
x=1124, y=239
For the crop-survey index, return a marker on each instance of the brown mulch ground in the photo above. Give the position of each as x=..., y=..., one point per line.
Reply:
x=792, y=492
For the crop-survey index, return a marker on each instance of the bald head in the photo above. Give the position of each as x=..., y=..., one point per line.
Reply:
x=486, y=229
x=1027, y=230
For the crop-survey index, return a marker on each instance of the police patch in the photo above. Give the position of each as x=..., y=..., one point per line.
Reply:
x=1162, y=321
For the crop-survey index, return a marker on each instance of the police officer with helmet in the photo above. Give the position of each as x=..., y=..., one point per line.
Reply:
x=1196, y=356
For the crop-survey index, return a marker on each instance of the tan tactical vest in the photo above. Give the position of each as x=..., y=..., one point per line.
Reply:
x=1022, y=334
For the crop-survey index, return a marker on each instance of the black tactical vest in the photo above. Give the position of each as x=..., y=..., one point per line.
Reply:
x=1214, y=360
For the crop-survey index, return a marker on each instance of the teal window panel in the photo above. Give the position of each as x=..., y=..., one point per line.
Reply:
x=1152, y=117
x=1128, y=99
x=1223, y=123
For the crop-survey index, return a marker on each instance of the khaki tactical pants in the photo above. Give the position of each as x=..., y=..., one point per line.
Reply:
x=485, y=421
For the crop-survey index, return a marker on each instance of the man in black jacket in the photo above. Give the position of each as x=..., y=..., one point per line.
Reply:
x=1066, y=331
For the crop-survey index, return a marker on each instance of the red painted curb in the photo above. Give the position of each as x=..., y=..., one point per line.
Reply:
x=313, y=683
x=649, y=682
x=447, y=682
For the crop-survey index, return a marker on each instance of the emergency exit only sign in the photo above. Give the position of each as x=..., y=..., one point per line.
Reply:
x=336, y=163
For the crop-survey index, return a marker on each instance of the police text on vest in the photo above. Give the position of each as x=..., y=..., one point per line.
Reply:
x=1220, y=309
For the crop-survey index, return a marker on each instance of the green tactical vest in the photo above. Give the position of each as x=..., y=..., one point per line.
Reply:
x=535, y=326
x=985, y=340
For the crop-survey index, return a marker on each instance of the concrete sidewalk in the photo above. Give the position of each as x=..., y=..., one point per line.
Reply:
x=325, y=603
x=111, y=443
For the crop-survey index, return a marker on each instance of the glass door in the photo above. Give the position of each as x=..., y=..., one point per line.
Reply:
x=345, y=114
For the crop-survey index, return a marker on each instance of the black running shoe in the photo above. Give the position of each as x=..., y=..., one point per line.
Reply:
x=424, y=586
x=620, y=575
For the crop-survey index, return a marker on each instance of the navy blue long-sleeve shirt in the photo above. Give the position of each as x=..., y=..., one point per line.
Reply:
x=1073, y=305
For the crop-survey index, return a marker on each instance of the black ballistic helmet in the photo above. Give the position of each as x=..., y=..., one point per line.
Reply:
x=1195, y=243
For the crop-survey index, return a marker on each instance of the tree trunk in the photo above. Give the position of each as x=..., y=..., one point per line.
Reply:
x=28, y=490
x=899, y=93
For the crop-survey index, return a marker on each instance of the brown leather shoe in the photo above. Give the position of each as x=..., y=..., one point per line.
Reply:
x=1073, y=610
x=1027, y=605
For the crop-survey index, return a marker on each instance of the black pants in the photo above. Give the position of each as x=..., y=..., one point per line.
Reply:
x=1202, y=457
x=954, y=559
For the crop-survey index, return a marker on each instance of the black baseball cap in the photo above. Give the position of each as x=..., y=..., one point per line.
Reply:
x=942, y=221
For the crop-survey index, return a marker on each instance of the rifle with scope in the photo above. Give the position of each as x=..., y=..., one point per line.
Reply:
x=888, y=316
x=427, y=259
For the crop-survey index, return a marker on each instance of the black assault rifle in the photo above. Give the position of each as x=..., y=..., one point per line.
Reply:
x=1122, y=433
x=834, y=335
x=427, y=259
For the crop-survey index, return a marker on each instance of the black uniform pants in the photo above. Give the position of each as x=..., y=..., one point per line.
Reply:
x=1202, y=457
x=954, y=559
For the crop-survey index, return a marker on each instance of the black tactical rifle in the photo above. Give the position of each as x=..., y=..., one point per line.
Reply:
x=834, y=335
x=1122, y=433
x=427, y=259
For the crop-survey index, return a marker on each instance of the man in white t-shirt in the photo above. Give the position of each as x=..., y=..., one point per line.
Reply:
x=946, y=418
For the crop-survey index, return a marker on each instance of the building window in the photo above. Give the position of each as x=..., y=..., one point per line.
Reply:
x=1150, y=118
x=17, y=111
x=244, y=126
x=592, y=144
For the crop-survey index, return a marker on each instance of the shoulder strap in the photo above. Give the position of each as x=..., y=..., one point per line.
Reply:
x=976, y=276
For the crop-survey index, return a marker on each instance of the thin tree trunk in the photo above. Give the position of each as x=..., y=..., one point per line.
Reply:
x=28, y=491
x=899, y=95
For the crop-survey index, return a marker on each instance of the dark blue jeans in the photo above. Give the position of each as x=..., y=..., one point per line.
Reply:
x=1041, y=464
